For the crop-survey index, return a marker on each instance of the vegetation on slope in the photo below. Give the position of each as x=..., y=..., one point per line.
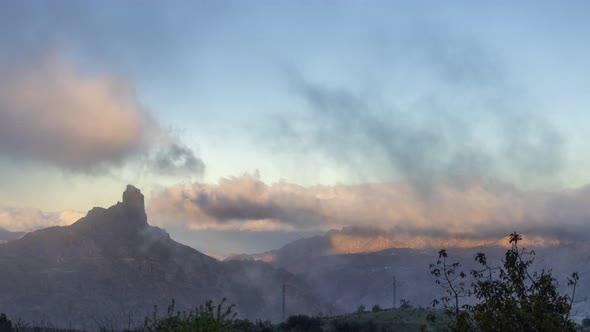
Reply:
x=507, y=297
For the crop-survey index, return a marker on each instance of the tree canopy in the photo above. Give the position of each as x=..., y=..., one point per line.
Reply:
x=507, y=297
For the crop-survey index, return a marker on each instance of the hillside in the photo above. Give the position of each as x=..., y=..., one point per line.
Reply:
x=353, y=274
x=113, y=266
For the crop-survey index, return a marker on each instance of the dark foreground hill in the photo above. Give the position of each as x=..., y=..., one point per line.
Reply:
x=113, y=266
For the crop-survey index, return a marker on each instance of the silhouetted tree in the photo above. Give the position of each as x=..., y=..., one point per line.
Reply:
x=5, y=323
x=405, y=304
x=453, y=282
x=376, y=308
x=508, y=297
x=360, y=309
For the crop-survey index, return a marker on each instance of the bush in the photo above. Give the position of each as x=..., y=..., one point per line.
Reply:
x=5, y=324
x=352, y=326
x=508, y=297
x=405, y=304
x=303, y=323
x=376, y=308
x=360, y=309
x=205, y=318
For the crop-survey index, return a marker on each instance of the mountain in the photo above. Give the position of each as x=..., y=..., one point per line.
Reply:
x=300, y=255
x=6, y=235
x=112, y=266
x=353, y=267
x=351, y=279
x=296, y=256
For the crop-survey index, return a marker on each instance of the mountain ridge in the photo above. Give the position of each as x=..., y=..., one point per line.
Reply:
x=365, y=269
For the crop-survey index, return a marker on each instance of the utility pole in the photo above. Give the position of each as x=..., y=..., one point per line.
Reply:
x=284, y=286
x=394, y=302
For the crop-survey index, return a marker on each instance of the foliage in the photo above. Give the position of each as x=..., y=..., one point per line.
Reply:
x=386, y=320
x=405, y=304
x=245, y=325
x=507, y=297
x=586, y=322
x=361, y=309
x=302, y=323
x=348, y=326
x=453, y=282
x=376, y=308
x=5, y=324
x=205, y=318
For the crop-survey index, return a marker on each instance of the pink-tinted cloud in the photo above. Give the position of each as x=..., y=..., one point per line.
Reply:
x=53, y=113
x=26, y=219
x=470, y=213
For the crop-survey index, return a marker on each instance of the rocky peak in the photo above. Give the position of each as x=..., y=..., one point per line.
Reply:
x=123, y=218
x=133, y=198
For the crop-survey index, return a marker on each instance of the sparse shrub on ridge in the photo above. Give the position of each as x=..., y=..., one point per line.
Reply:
x=205, y=318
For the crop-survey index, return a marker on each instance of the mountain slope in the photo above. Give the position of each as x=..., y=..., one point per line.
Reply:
x=112, y=265
x=351, y=268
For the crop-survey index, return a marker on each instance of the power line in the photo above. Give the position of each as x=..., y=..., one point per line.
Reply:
x=394, y=293
x=284, y=286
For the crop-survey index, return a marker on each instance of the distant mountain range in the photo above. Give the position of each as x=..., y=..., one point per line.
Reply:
x=112, y=266
x=353, y=267
x=6, y=235
x=357, y=272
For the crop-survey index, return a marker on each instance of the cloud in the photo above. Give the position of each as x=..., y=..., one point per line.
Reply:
x=243, y=203
x=472, y=213
x=429, y=143
x=176, y=159
x=26, y=219
x=52, y=113
x=444, y=109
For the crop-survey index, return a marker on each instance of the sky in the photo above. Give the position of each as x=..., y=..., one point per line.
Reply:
x=251, y=124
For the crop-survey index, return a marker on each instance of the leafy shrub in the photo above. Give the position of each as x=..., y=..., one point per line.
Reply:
x=508, y=297
x=302, y=323
x=205, y=318
x=245, y=325
x=5, y=324
x=405, y=304
x=352, y=326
